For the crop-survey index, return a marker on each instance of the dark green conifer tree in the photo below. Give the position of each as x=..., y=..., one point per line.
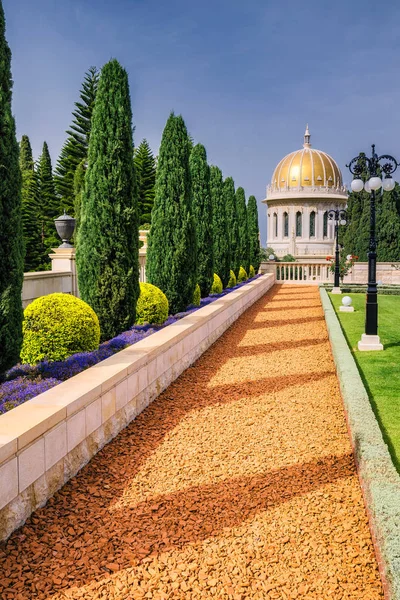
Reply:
x=79, y=186
x=76, y=146
x=221, y=237
x=171, y=261
x=145, y=170
x=253, y=231
x=107, y=247
x=388, y=226
x=233, y=225
x=31, y=210
x=202, y=213
x=11, y=238
x=49, y=208
x=355, y=235
x=244, y=249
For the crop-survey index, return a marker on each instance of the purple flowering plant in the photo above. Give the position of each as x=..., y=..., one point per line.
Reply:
x=23, y=382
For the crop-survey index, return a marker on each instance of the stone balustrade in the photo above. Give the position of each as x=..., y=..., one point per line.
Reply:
x=47, y=440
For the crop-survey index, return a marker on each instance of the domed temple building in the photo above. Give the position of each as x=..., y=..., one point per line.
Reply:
x=305, y=185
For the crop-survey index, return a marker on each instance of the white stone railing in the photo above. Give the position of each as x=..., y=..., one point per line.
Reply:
x=299, y=272
x=315, y=271
x=47, y=440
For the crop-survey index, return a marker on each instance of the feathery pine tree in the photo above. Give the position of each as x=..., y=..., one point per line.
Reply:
x=244, y=249
x=171, y=261
x=31, y=219
x=11, y=239
x=253, y=232
x=50, y=208
x=220, y=233
x=233, y=225
x=145, y=171
x=76, y=146
x=202, y=213
x=107, y=247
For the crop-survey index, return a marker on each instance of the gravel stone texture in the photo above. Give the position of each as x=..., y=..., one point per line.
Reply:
x=238, y=482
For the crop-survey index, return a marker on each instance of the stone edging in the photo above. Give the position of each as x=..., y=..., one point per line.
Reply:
x=47, y=440
x=380, y=482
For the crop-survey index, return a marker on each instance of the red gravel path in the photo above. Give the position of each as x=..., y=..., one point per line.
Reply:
x=236, y=483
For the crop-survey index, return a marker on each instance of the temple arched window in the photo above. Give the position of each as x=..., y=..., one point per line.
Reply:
x=325, y=233
x=285, y=224
x=298, y=224
x=275, y=224
x=312, y=224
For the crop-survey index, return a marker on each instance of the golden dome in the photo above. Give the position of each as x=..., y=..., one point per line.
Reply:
x=307, y=167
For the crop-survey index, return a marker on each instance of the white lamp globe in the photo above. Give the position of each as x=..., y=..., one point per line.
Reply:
x=343, y=222
x=357, y=185
x=375, y=183
x=366, y=187
x=271, y=257
x=346, y=301
x=349, y=257
x=388, y=184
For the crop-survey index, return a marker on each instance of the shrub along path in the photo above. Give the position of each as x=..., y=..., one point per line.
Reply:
x=237, y=482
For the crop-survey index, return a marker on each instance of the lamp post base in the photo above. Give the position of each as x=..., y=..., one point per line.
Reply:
x=346, y=308
x=369, y=342
x=336, y=290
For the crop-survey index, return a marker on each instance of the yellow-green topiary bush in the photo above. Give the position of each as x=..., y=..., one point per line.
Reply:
x=196, y=295
x=56, y=326
x=152, y=306
x=232, y=280
x=217, y=286
x=242, y=275
x=252, y=272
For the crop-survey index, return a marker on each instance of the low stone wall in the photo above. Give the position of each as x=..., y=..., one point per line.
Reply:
x=41, y=283
x=47, y=440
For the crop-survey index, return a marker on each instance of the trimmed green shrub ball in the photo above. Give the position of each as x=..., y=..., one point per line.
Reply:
x=232, y=280
x=196, y=295
x=217, y=286
x=242, y=275
x=152, y=306
x=56, y=326
x=252, y=272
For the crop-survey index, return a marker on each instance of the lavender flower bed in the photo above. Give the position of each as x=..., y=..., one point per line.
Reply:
x=24, y=382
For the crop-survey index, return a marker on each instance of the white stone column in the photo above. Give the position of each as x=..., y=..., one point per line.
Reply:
x=63, y=259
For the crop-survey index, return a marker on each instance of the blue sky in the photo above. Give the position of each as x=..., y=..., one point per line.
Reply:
x=246, y=76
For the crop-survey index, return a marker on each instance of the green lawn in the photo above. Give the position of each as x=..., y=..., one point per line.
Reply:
x=380, y=371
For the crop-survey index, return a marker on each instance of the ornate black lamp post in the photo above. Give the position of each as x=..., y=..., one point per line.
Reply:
x=371, y=167
x=339, y=216
x=65, y=226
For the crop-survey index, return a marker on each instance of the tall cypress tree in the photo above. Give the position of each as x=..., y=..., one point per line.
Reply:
x=221, y=238
x=356, y=233
x=107, y=248
x=11, y=239
x=202, y=212
x=31, y=211
x=171, y=254
x=145, y=169
x=253, y=232
x=76, y=146
x=233, y=225
x=79, y=186
x=244, y=249
x=50, y=207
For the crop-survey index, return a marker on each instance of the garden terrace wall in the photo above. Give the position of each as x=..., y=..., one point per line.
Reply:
x=47, y=440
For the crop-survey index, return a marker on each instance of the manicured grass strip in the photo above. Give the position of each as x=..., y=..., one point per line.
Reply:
x=380, y=371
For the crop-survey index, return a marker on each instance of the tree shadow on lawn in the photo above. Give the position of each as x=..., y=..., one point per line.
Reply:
x=80, y=527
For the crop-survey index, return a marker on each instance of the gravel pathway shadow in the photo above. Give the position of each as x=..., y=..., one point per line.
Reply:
x=237, y=482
